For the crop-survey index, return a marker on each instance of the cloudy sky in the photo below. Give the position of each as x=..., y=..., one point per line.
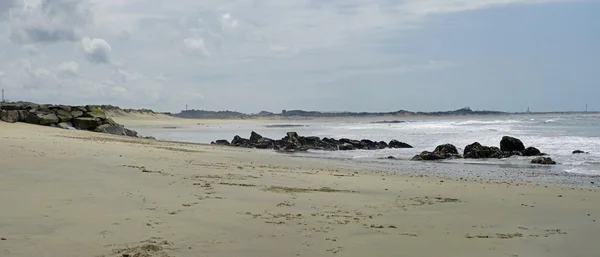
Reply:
x=331, y=55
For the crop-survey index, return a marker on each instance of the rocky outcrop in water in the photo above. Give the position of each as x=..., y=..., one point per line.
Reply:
x=578, y=152
x=292, y=142
x=89, y=117
x=445, y=151
x=478, y=151
x=543, y=160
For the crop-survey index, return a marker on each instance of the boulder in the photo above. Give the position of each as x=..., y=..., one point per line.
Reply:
x=264, y=143
x=86, y=123
x=65, y=125
x=111, y=129
x=94, y=112
x=64, y=115
x=32, y=118
x=130, y=133
x=531, y=151
x=239, y=141
x=10, y=116
x=382, y=145
x=578, y=152
x=346, y=147
x=447, y=150
x=292, y=134
x=511, y=144
x=543, y=160
x=428, y=156
x=254, y=137
x=76, y=114
x=222, y=142
x=22, y=114
x=478, y=151
x=397, y=144
x=48, y=119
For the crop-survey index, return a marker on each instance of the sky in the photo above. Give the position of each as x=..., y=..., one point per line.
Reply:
x=326, y=55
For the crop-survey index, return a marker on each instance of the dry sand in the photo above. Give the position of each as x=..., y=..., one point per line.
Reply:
x=74, y=193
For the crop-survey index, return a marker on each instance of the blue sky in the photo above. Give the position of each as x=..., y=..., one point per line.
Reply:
x=355, y=55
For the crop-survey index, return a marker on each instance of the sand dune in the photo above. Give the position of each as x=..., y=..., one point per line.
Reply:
x=76, y=193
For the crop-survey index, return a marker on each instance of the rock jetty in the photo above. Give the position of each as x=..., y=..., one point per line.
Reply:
x=292, y=142
x=91, y=118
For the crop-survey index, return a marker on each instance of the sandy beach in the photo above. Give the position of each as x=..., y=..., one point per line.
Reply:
x=77, y=193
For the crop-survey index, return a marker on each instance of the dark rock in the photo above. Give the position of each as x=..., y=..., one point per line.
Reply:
x=110, y=121
x=578, y=152
x=264, y=143
x=239, y=141
x=478, y=151
x=10, y=116
x=22, y=114
x=76, y=114
x=397, y=144
x=32, y=118
x=60, y=107
x=543, y=160
x=65, y=125
x=111, y=129
x=131, y=133
x=511, y=144
x=48, y=119
x=254, y=137
x=346, y=147
x=446, y=150
x=428, y=156
x=86, y=123
x=64, y=115
x=382, y=145
x=531, y=151
x=368, y=144
x=292, y=134
x=222, y=142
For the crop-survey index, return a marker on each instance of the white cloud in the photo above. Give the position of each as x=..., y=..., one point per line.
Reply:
x=96, y=50
x=68, y=68
x=195, y=46
x=48, y=21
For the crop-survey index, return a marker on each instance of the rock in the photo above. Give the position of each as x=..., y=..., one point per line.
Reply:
x=32, y=118
x=11, y=107
x=239, y=141
x=264, y=143
x=578, y=152
x=478, y=151
x=511, y=144
x=86, y=123
x=346, y=147
x=111, y=129
x=382, y=145
x=398, y=144
x=543, y=160
x=131, y=133
x=76, y=114
x=222, y=142
x=292, y=134
x=254, y=137
x=48, y=119
x=428, y=156
x=531, y=151
x=10, y=116
x=65, y=125
x=81, y=109
x=446, y=150
x=94, y=112
x=22, y=114
x=64, y=115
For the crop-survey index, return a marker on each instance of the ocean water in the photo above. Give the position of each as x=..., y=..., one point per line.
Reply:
x=557, y=136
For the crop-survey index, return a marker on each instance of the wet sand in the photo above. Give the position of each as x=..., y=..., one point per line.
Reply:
x=74, y=193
